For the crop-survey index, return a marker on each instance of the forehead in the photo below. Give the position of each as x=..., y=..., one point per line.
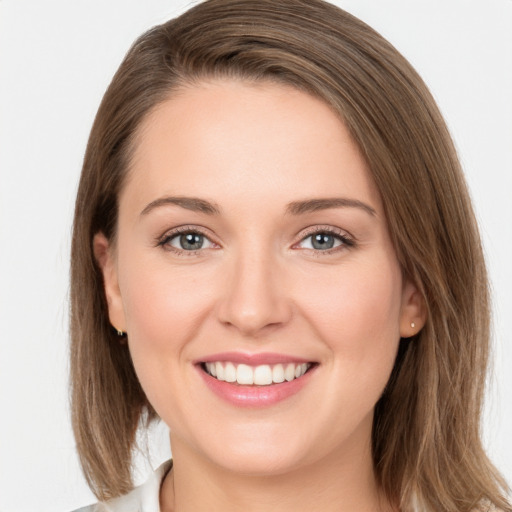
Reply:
x=225, y=135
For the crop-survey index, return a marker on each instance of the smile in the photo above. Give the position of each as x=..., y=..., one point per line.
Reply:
x=255, y=380
x=261, y=375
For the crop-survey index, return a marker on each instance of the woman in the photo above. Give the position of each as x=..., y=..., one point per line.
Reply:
x=274, y=252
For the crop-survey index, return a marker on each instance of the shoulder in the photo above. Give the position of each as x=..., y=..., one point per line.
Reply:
x=144, y=498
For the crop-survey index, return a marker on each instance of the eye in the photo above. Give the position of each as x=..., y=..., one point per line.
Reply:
x=186, y=241
x=325, y=240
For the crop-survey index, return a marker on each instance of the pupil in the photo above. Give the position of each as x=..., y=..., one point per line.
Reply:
x=323, y=241
x=191, y=241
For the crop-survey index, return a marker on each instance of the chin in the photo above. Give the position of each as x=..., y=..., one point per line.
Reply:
x=259, y=464
x=257, y=453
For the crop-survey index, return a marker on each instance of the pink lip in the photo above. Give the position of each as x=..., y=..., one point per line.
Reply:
x=254, y=396
x=252, y=359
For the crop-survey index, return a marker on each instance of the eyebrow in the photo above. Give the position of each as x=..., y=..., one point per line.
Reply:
x=313, y=205
x=189, y=203
x=293, y=208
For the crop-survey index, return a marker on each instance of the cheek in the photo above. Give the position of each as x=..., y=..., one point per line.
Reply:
x=165, y=310
x=163, y=304
x=356, y=316
x=356, y=311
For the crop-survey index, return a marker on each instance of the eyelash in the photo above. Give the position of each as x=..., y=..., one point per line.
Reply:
x=182, y=230
x=346, y=240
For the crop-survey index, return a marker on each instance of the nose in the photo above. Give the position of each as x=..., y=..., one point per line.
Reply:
x=255, y=295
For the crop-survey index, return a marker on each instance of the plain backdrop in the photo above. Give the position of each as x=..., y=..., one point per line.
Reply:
x=56, y=59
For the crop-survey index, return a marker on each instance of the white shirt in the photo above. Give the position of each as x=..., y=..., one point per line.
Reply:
x=144, y=498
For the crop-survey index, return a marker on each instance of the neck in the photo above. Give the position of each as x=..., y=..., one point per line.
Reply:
x=335, y=483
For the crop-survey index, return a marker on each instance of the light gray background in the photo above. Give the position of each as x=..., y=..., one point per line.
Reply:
x=56, y=59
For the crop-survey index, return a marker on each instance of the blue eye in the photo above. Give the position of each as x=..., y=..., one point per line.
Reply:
x=187, y=241
x=190, y=241
x=324, y=241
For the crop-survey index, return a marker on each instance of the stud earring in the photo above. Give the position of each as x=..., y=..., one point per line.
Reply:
x=120, y=333
x=413, y=325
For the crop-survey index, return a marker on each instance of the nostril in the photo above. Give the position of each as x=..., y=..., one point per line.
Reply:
x=253, y=304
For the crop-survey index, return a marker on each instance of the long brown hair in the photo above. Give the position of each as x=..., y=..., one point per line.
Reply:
x=426, y=434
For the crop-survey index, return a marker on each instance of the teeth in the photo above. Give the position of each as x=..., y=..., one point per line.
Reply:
x=219, y=370
x=289, y=372
x=230, y=372
x=278, y=373
x=211, y=368
x=262, y=375
x=244, y=374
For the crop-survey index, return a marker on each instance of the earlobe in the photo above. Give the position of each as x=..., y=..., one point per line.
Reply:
x=413, y=314
x=105, y=257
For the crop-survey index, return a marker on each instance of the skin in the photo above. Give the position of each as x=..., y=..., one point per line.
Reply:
x=258, y=285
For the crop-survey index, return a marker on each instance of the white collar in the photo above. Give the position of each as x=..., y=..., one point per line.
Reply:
x=144, y=498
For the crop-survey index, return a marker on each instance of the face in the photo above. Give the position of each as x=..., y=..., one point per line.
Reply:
x=255, y=277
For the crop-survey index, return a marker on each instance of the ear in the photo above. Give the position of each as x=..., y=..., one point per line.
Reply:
x=105, y=257
x=413, y=314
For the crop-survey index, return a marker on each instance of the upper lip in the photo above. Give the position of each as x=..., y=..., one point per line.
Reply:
x=252, y=359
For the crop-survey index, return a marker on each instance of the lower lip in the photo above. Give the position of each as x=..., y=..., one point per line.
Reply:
x=255, y=396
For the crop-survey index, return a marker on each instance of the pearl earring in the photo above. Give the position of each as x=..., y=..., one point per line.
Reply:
x=413, y=325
